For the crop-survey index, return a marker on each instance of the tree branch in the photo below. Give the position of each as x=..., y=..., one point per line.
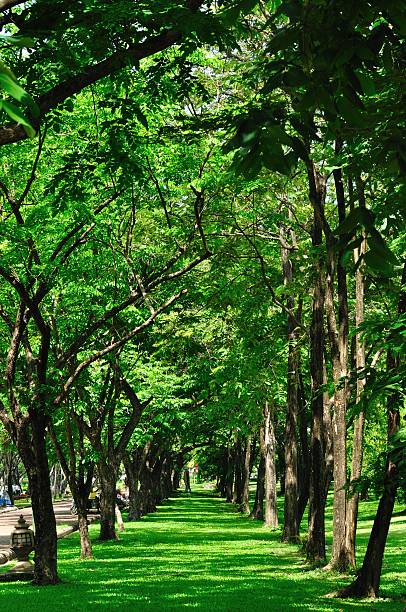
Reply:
x=59, y=451
x=137, y=409
x=79, y=226
x=91, y=74
x=265, y=278
x=30, y=303
x=8, y=4
x=114, y=346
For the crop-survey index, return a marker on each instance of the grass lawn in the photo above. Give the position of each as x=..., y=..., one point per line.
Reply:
x=197, y=552
x=22, y=503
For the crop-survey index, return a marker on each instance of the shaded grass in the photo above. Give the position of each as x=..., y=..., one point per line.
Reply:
x=198, y=552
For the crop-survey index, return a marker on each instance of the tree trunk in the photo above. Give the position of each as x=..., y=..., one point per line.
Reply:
x=186, y=479
x=338, y=337
x=258, y=508
x=167, y=477
x=237, y=491
x=10, y=484
x=33, y=453
x=271, y=510
x=303, y=456
x=245, y=502
x=175, y=479
x=85, y=543
x=177, y=472
x=291, y=514
x=147, y=501
x=359, y=420
x=221, y=474
x=229, y=474
x=328, y=437
x=120, y=522
x=316, y=545
x=290, y=522
x=340, y=557
x=107, y=476
x=132, y=472
x=369, y=577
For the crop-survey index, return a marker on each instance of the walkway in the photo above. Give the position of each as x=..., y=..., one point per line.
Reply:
x=8, y=519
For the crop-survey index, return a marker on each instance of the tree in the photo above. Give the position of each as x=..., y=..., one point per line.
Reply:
x=49, y=352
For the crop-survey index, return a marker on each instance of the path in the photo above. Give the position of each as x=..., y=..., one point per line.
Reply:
x=9, y=519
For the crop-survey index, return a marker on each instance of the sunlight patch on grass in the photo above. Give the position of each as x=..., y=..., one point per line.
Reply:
x=198, y=552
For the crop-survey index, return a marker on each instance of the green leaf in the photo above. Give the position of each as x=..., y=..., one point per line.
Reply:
x=277, y=133
x=6, y=70
x=17, y=41
x=249, y=137
x=367, y=83
x=357, y=216
x=378, y=264
x=141, y=118
x=11, y=87
x=379, y=246
x=352, y=115
x=283, y=40
x=15, y=113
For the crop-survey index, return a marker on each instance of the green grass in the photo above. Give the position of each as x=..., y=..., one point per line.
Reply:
x=22, y=503
x=197, y=552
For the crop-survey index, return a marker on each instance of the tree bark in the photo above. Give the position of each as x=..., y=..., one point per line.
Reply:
x=132, y=476
x=229, y=474
x=135, y=466
x=316, y=544
x=271, y=509
x=186, y=479
x=177, y=472
x=303, y=456
x=369, y=576
x=167, y=476
x=108, y=479
x=257, y=511
x=328, y=437
x=359, y=420
x=85, y=543
x=37, y=467
x=175, y=479
x=245, y=502
x=291, y=513
x=9, y=463
x=338, y=340
x=368, y=580
x=119, y=517
x=147, y=501
x=237, y=491
x=78, y=476
x=338, y=345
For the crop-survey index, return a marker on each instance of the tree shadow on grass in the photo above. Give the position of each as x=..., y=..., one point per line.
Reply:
x=195, y=552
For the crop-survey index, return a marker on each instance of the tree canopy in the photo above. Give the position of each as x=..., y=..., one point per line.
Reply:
x=202, y=257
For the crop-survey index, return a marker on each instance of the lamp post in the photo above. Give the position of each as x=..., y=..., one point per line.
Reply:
x=22, y=544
